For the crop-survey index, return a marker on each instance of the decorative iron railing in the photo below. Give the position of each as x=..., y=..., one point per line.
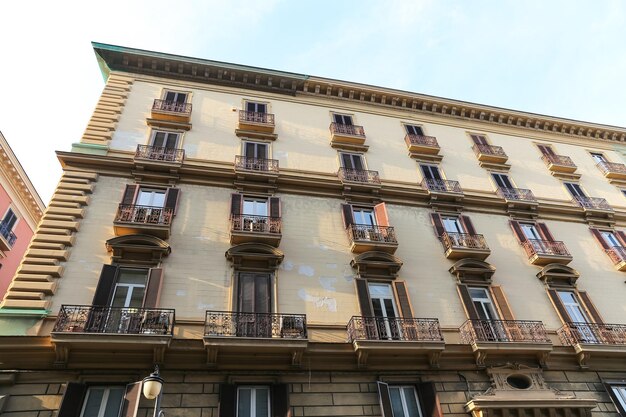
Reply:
x=420, y=140
x=473, y=331
x=385, y=328
x=114, y=320
x=256, y=325
x=7, y=234
x=592, y=333
x=258, y=224
x=256, y=117
x=159, y=153
x=480, y=149
x=545, y=247
x=364, y=232
x=617, y=254
x=442, y=186
x=347, y=129
x=608, y=167
x=256, y=164
x=359, y=175
x=463, y=241
x=516, y=194
x=130, y=213
x=172, y=106
x=558, y=160
x=592, y=203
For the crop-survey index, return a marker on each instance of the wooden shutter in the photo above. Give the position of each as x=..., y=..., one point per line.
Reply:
x=616, y=401
x=470, y=310
x=468, y=226
x=596, y=233
x=403, y=299
x=104, y=289
x=622, y=237
x=517, y=230
x=171, y=198
x=545, y=232
x=435, y=218
x=385, y=399
x=560, y=308
x=380, y=210
x=129, y=194
x=363, y=292
x=591, y=309
x=546, y=150
x=236, y=203
x=280, y=400
x=503, y=304
x=348, y=218
x=72, y=402
x=429, y=399
x=131, y=400
x=275, y=209
x=227, y=406
x=153, y=288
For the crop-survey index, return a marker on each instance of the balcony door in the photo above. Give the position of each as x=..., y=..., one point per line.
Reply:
x=578, y=316
x=255, y=150
x=167, y=140
x=254, y=214
x=8, y=222
x=452, y=224
x=385, y=311
x=253, y=305
x=502, y=181
x=575, y=190
x=128, y=296
x=431, y=172
x=598, y=158
x=254, y=107
x=176, y=97
x=352, y=161
x=364, y=216
x=534, y=237
x=342, y=119
x=610, y=239
x=479, y=139
x=151, y=204
x=414, y=130
x=490, y=327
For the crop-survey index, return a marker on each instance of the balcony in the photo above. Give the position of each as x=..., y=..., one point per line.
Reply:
x=422, y=144
x=255, y=333
x=158, y=154
x=612, y=171
x=346, y=134
x=463, y=245
x=256, y=168
x=559, y=163
x=442, y=187
x=593, y=204
x=133, y=219
x=256, y=122
x=593, y=338
x=517, y=195
x=7, y=237
x=359, y=178
x=364, y=238
x=543, y=252
x=260, y=229
x=399, y=337
x=171, y=111
x=618, y=256
x=490, y=154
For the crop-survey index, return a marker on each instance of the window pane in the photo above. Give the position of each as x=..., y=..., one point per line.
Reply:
x=133, y=276
x=243, y=402
x=94, y=399
x=411, y=402
x=262, y=408
x=119, y=298
x=172, y=139
x=113, y=402
x=136, y=299
x=181, y=97
x=170, y=96
x=9, y=220
x=261, y=108
x=159, y=139
x=396, y=402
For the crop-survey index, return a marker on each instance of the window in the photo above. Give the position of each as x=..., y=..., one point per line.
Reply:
x=572, y=306
x=342, y=119
x=256, y=150
x=175, y=97
x=81, y=400
x=255, y=214
x=148, y=205
x=164, y=139
x=598, y=157
x=483, y=304
x=452, y=224
x=151, y=198
x=255, y=107
x=103, y=402
x=530, y=231
x=255, y=206
x=352, y=161
x=253, y=401
x=404, y=401
x=546, y=150
x=431, y=172
x=364, y=216
x=502, y=180
x=479, y=139
x=617, y=392
x=130, y=288
x=384, y=307
x=610, y=238
x=414, y=130
x=8, y=222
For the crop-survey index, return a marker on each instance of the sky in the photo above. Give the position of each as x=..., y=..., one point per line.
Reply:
x=560, y=58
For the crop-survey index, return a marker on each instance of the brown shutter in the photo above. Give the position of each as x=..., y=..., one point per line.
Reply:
x=280, y=401
x=543, y=228
x=596, y=233
x=560, y=308
x=384, y=399
x=435, y=218
x=381, y=214
x=546, y=150
x=591, y=309
x=153, y=288
x=403, y=299
x=503, y=304
x=363, y=293
x=467, y=224
x=227, y=406
x=622, y=237
x=171, y=198
x=616, y=401
x=275, y=210
x=105, y=286
x=236, y=202
x=129, y=194
x=348, y=218
x=470, y=310
x=131, y=400
x=517, y=230
x=479, y=139
x=429, y=400
x=72, y=402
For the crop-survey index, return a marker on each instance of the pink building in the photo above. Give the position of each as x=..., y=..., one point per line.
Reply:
x=20, y=211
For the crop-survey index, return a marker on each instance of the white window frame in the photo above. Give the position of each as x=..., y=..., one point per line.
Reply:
x=483, y=135
x=253, y=403
x=412, y=125
x=574, y=306
x=256, y=103
x=488, y=307
x=352, y=154
x=177, y=92
x=153, y=191
x=431, y=166
x=405, y=409
x=610, y=238
x=364, y=210
x=580, y=187
x=351, y=116
x=619, y=390
x=130, y=287
x=178, y=133
x=598, y=157
x=492, y=175
x=15, y=213
x=454, y=221
x=105, y=398
x=257, y=202
x=256, y=143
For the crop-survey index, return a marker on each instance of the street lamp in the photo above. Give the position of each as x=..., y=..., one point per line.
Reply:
x=152, y=388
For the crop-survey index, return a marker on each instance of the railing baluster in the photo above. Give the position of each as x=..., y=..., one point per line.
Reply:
x=473, y=331
x=255, y=325
x=363, y=232
x=393, y=328
x=592, y=333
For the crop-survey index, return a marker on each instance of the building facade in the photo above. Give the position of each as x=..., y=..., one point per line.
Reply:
x=287, y=245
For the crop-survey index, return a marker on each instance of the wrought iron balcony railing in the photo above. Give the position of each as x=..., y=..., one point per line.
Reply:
x=419, y=140
x=359, y=175
x=617, y=254
x=516, y=194
x=114, y=320
x=255, y=325
x=352, y=130
x=256, y=164
x=611, y=167
x=593, y=333
x=558, y=160
x=257, y=224
x=256, y=117
x=384, y=328
x=442, y=186
x=473, y=331
x=159, y=153
x=545, y=247
x=7, y=234
x=489, y=150
x=592, y=203
x=172, y=106
x=130, y=213
x=364, y=232
x=463, y=241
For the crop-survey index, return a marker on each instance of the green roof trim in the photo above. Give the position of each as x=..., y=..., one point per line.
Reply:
x=17, y=312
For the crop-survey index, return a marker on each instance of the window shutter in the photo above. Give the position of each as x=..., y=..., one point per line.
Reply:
x=560, y=308
x=503, y=304
x=435, y=218
x=153, y=288
x=546, y=150
x=384, y=399
x=403, y=299
x=236, y=201
x=275, y=210
x=381, y=214
x=171, y=198
x=363, y=293
x=622, y=237
x=619, y=405
x=467, y=224
x=262, y=302
x=517, y=230
x=105, y=285
x=429, y=400
x=131, y=400
x=470, y=310
x=280, y=400
x=245, y=294
x=596, y=233
x=72, y=402
x=227, y=406
x=543, y=228
x=129, y=194
x=346, y=211
x=591, y=309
